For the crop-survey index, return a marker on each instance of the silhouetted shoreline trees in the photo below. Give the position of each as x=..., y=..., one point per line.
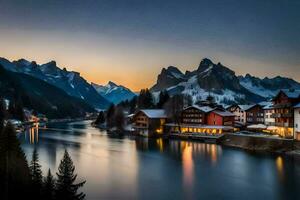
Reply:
x=20, y=180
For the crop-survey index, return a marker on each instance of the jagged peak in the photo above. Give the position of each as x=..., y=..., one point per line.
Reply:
x=111, y=84
x=23, y=61
x=205, y=62
x=51, y=63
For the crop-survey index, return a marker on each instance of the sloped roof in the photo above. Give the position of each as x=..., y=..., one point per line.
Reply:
x=246, y=107
x=224, y=113
x=205, y=109
x=270, y=105
x=297, y=105
x=154, y=113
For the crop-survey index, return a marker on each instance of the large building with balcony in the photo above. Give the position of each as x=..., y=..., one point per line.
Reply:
x=195, y=114
x=284, y=103
x=203, y=120
x=247, y=114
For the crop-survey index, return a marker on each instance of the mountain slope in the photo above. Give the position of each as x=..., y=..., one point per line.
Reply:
x=208, y=79
x=41, y=96
x=267, y=87
x=113, y=92
x=71, y=82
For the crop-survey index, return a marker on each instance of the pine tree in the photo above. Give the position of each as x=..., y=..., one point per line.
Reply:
x=48, y=187
x=2, y=113
x=145, y=99
x=14, y=171
x=132, y=105
x=163, y=98
x=101, y=118
x=65, y=187
x=110, y=116
x=119, y=118
x=36, y=172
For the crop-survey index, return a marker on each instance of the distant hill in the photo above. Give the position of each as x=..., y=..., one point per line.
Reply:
x=221, y=82
x=113, y=92
x=41, y=96
x=69, y=81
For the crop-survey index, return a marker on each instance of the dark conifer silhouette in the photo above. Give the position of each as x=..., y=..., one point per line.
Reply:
x=48, y=191
x=163, y=98
x=145, y=99
x=110, y=122
x=14, y=171
x=101, y=118
x=2, y=113
x=65, y=185
x=36, y=174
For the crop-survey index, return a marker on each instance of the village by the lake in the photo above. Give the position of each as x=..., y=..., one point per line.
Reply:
x=150, y=100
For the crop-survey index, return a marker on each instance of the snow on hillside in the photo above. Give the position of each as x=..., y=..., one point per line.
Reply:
x=259, y=90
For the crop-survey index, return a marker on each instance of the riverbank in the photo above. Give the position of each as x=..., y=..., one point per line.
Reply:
x=247, y=142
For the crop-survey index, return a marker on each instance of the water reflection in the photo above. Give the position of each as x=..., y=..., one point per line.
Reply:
x=33, y=133
x=188, y=168
x=279, y=167
x=142, y=168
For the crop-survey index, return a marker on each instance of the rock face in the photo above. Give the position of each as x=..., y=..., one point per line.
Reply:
x=113, y=92
x=69, y=81
x=221, y=82
x=268, y=87
x=168, y=77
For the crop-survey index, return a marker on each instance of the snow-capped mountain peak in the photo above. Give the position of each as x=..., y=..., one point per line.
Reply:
x=69, y=81
x=113, y=92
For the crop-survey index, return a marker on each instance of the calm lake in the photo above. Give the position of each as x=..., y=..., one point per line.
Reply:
x=141, y=168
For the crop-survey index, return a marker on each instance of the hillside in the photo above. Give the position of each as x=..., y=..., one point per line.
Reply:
x=41, y=96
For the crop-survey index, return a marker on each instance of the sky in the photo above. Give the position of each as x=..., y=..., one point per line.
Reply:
x=130, y=41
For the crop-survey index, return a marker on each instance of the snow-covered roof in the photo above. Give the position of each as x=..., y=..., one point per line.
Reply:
x=205, y=109
x=224, y=113
x=268, y=106
x=154, y=113
x=257, y=126
x=297, y=105
x=246, y=107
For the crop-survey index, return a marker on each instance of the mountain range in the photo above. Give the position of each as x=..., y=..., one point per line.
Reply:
x=69, y=81
x=40, y=96
x=113, y=92
x=33, y=81
x=221, y=82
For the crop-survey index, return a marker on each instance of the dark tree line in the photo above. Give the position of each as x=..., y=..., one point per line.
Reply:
x=20, y=180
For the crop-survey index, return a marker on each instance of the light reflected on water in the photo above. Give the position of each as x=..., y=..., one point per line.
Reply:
x=188, y=168
x=33, y=133
x=279, y=166
x=142, y=168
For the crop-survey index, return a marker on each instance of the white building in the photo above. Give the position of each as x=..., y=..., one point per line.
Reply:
x=297, y=122
x=268, y=111
x=240, y=112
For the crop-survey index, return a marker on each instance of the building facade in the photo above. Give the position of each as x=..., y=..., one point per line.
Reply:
x=205, y=120
x=297, y=122
x=255, y=115
x=284, y=103
x=220, y=118
x=195, y=114
x=149, y=122
x=268, y=114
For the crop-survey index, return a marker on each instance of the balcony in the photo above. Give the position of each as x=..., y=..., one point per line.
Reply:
x=280, y=115
x=282, y=124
